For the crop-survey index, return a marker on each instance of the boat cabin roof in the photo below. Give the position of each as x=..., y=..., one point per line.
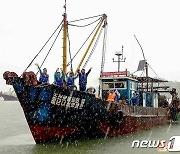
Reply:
x=120, y=78
x=124, y=75
x=150, y=79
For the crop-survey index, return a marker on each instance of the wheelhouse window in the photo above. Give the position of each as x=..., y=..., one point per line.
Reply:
x=107, y=86
x=120, y=85
x=132, y=86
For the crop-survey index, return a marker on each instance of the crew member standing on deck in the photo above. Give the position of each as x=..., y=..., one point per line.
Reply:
x=70, y=78
x=44, y=77
x=58, y=77
x=117, y=97
x=111, y=96
x=110, y=99
x=83, y=79
x=91, y=90
x=134, y=100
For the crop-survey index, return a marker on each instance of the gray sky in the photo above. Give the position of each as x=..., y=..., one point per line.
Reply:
x=26, y=25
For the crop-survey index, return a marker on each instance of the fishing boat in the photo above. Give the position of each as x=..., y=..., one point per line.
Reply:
x=56, y=113
x=8, y=97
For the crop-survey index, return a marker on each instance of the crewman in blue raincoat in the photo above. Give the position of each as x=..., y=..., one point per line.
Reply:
x=117, y=97
x=91, y=90
x=135, y=99
x=83, y=79
x=70, y=78
x=44, y=77
x=59, y=77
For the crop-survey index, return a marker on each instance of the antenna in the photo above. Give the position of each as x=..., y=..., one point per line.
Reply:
x=121, y=58
x=64, y=6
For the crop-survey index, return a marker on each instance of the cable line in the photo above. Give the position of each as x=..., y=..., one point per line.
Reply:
x=69, y=49
x=42, y=47
x=84, y=25
x=85, y=18
x=104, y=47
x=50, y=48
x=93, y=49
x=83, y=44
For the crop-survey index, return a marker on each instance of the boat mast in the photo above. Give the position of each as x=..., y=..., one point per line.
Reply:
x=65, y=26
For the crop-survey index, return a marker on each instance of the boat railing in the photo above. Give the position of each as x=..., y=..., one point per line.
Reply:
x=139, y=110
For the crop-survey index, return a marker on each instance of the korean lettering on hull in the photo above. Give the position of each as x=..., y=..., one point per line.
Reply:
x=67, y=101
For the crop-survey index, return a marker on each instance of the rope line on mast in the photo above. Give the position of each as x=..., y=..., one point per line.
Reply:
x=50, y=48
x=93, y=49
x=104, y=47
x=86, y=18
x=70, y=56
x=43, y=47
x=86, y=24
x=156, y=74
x=140, y=47
x=83, y=43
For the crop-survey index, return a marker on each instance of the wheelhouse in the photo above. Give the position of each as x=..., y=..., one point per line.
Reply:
x=119, y=81
x=128, y=85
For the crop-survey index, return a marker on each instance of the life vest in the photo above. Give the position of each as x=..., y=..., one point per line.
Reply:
x=59, y=81
x=70, y=81
x=83, y=79
x=44, y=78
x=111, y=97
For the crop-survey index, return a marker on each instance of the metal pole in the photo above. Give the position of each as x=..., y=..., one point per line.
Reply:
x=120, y=58
x=147, y=76
x=118, y=63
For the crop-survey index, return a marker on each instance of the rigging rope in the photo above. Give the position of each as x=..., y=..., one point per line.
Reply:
x=94, y=47
x=43, y=47
x=84, y=43
x=86, y=24
x=140, y=47
x=50, y=48
x=156, y=74
x=86, y=18
x=104, y=47
x=69, y=49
